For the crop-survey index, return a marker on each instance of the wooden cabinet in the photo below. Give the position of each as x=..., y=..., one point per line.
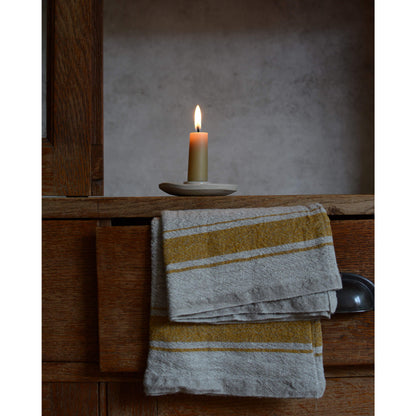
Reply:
x=96, y=286
x=95, y=260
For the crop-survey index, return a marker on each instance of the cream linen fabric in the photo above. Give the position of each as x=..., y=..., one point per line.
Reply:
x=235, y=299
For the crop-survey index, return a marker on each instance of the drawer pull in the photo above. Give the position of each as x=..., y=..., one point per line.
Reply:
x=356, y=295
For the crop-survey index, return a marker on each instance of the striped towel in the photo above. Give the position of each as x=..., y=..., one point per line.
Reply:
x=262, y=264
x=249, y=358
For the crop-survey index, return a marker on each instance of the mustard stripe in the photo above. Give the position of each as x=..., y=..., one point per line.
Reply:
x=241, y=219
x=204, y=266
x=161, y=329
x=245, y=238
x=231, y=349
x=318, y=354
x=316, y=334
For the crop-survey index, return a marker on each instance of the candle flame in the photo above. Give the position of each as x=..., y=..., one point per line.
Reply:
x=197, y=118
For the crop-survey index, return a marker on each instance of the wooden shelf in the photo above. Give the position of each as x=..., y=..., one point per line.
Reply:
x=147, y=207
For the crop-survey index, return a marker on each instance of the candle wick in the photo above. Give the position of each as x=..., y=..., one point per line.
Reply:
x=197, y=129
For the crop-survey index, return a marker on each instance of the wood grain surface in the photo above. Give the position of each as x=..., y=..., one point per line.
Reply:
x=78, y=372
x=70, y=399
x=354, y=248
x=71, y=165
x=82, y=372
x=96, y=207
x=129, y=399
x=345, y=396
x=69, y=291
x=123, y=266
x=124, y=293
x=74, y=383
x=102, y=388
x=48, y=169
x=70, y=296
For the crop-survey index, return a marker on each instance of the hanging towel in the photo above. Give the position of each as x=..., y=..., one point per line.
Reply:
x=254, y=264
x=276, y=265
x=268, y=359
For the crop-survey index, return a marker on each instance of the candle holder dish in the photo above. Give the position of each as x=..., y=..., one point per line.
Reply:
x=191, y=188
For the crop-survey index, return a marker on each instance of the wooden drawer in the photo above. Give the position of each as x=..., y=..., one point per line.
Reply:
x=123, y=269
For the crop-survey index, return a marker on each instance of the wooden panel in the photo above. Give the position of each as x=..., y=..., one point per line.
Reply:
x=123, y=263
x=348, y=339
x=69, y=291
x=152, y=206
x=69, y=399
x=128, y=399
x=342, y=397
x=74, y=99
x=354, y=248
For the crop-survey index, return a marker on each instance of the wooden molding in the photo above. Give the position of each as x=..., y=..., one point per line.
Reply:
x=148, y=207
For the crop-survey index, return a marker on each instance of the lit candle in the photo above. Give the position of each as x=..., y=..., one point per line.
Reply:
x=198, y=152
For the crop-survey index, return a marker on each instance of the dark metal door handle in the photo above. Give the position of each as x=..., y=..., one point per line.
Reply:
x=356, y=295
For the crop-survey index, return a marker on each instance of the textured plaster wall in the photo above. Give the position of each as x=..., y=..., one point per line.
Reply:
x=285, y=88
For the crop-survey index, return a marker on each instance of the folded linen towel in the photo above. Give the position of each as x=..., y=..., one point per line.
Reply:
x=254, y=264
x=267, y=359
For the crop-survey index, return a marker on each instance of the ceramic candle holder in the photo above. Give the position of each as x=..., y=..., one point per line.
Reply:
x=192, y=188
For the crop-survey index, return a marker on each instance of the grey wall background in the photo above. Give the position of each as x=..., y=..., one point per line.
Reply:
x=285, y=88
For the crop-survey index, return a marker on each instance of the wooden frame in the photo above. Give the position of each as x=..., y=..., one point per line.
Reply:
x=72, y=152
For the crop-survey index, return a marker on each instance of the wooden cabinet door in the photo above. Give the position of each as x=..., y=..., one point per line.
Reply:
x=72, y=152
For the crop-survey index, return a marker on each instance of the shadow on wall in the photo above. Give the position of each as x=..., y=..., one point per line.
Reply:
x=285, y=88
x=167, y=17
